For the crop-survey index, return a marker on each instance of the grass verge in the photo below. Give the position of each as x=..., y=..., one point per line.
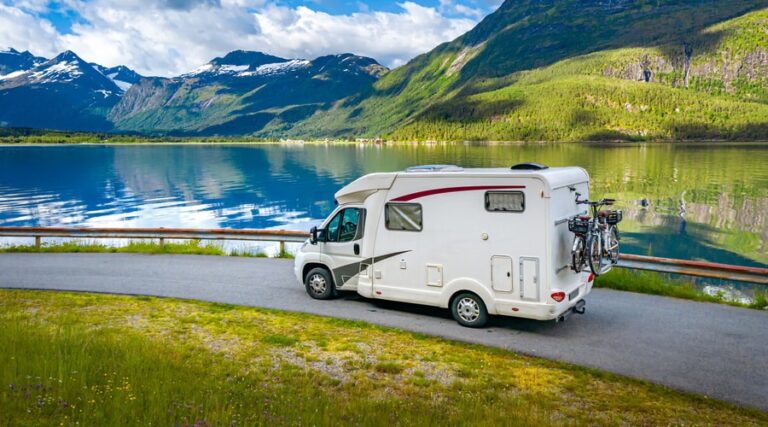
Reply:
x=189, y=247
x=646, y=282
x=110, y=360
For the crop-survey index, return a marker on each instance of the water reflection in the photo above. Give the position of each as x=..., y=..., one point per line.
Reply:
x=684, y=201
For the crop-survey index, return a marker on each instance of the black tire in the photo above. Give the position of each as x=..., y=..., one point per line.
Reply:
x=319, y=284
x=469, y=310
x=595, y=254
x=613, y=244
x=578, y=261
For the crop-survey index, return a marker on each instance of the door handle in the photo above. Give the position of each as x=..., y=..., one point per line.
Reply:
x=356, y=248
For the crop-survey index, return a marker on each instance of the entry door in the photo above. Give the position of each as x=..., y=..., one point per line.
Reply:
x=342, y=242
x=529, y=278
x=501, y=273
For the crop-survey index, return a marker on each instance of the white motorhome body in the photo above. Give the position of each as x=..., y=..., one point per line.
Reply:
x=430, y=234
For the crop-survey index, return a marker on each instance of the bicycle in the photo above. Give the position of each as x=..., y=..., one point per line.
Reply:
x=597, y=237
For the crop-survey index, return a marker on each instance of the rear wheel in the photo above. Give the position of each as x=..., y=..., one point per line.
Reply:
x=578, y=261
x=319, y=283
x=469, y=310
x=595, y=254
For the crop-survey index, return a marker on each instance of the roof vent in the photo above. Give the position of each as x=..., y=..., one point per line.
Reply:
x=435, y=168
x=530, y=166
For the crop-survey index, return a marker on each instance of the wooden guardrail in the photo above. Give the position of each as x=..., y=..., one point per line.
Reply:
x=639, y=262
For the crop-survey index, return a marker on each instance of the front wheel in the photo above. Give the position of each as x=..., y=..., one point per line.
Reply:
x=469, y=310
x=613, y=244
x=319, y=283
x=595, y=254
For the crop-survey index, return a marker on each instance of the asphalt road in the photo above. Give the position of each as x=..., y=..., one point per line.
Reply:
x=710, y=349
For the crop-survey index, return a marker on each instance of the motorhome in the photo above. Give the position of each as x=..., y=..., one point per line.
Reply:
x=479, y=242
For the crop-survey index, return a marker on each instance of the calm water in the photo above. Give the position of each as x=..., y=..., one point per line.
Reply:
x=704, y=202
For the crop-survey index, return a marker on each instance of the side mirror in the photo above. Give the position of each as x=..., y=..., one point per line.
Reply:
x=313, y=235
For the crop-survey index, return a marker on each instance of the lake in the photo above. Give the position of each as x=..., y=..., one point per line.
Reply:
x=692, y=201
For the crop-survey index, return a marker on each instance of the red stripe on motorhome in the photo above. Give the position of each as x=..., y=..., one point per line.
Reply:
x=425, y=193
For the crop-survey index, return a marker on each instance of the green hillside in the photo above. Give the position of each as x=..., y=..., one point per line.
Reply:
x=575, y=70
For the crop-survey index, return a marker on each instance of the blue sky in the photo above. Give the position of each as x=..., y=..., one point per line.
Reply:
x=63, y=17
x=170, y=37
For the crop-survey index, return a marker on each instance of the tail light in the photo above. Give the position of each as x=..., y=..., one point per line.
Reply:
x=558, y=296
x=591, y=277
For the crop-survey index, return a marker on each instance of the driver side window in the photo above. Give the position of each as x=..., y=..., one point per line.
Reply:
x=344, y=226
x=332, y=229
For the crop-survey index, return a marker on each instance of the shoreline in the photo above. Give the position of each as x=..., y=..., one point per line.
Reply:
x=703, y=142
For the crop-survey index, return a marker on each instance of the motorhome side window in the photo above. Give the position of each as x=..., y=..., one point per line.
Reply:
x=504, y=201
x=403, y=216
x=344, y=226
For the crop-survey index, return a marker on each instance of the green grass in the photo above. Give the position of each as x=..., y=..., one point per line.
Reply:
x=190, y=247
x=87, y=359
x=646, y=282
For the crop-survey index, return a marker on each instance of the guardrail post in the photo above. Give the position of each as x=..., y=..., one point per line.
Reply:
x=282, y=248
x=38, y=242
x=162, y=242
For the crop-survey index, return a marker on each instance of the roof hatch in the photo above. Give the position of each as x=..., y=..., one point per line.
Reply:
x=435, y=168
x=530, y=166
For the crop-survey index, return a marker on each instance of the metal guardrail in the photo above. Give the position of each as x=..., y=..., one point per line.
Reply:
x=695, y=268
x=638, y=262
x=161, y=234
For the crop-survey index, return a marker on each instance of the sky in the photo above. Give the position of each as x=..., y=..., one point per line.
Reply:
x=171, y=37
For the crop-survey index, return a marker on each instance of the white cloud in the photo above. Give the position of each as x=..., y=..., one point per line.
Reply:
x=23, y=31
x=452, y=7
x=171, y=37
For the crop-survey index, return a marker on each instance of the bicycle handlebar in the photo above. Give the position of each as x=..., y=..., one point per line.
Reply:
x=597, y=203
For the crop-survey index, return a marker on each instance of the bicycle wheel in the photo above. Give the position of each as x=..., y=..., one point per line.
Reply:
x=595, y=254
x=613, y=244
x=578, y=261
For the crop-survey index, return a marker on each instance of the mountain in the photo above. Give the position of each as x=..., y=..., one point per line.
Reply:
x=242, y=93
x=238, y=93
x=577, y=70
x=13, y=61
x=236, y=61
x=62, y=93
x=120, y=75
x=534, y=70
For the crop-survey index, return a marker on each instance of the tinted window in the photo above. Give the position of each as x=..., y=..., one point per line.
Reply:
x=403, y=216
x=505, y=201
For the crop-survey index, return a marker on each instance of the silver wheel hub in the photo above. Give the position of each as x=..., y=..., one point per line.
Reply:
x=317, y=283
x=468, y=309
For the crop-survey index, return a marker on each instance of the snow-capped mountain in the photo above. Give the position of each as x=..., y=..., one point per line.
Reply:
x=243, y=93
x=68, y=70
x=12, y=62
x=64, y=92
x=121, y=75
x=241, y=63
x=240, y=92
x=234, y=63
